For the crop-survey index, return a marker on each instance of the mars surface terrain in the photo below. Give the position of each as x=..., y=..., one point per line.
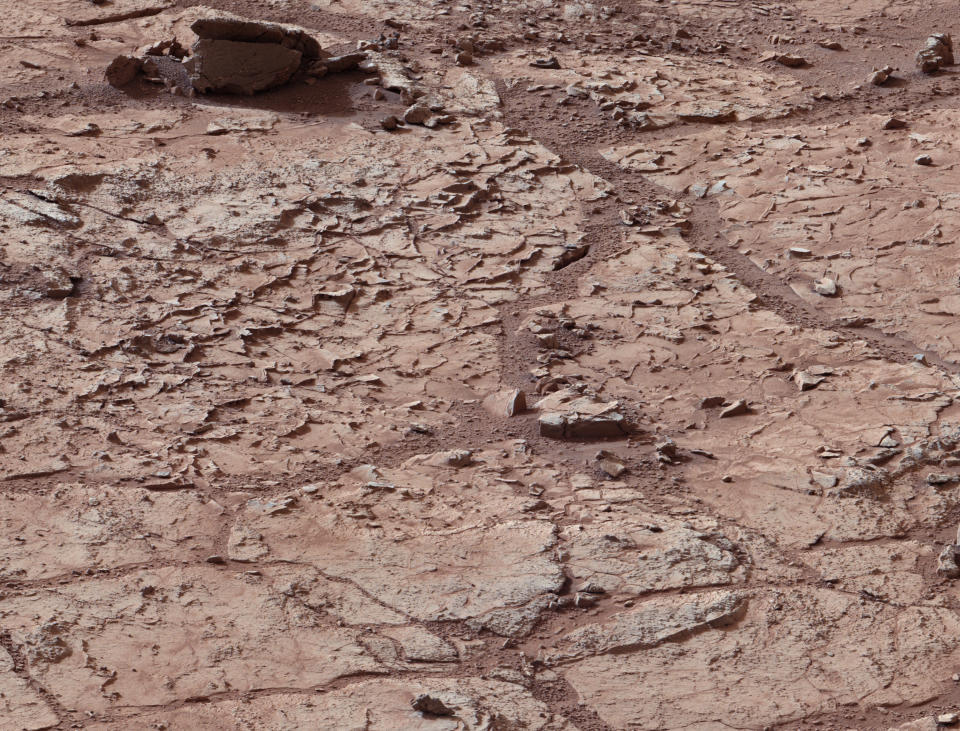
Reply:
x=439, y=365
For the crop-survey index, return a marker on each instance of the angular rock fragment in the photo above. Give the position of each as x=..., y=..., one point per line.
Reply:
x=737, y=408
x=947, y=562
x=235, y=67
x=806, y=381
x=880, y=76
x=610, y=464
x=122, y=70
x=506, y=403
x=936, y=53
x=666, y=450
x=825, y=287
x=427, y=703
x=418, y=113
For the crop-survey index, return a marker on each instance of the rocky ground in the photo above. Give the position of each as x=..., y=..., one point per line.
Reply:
x=380, y=364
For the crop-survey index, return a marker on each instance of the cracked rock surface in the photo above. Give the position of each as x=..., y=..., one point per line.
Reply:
x=494, y=366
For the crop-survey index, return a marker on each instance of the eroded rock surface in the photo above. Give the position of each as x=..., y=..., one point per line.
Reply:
x=503, y=366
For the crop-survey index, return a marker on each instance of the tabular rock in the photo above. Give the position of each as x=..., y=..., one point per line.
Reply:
x=708, y=115
x=583, y=417
x=236, y=67
x=546, y=63
x=582, y=426
x=254, y=31
x=790, y=60
x=937, y=52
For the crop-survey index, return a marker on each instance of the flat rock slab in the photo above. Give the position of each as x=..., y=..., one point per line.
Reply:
x=254, y=31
